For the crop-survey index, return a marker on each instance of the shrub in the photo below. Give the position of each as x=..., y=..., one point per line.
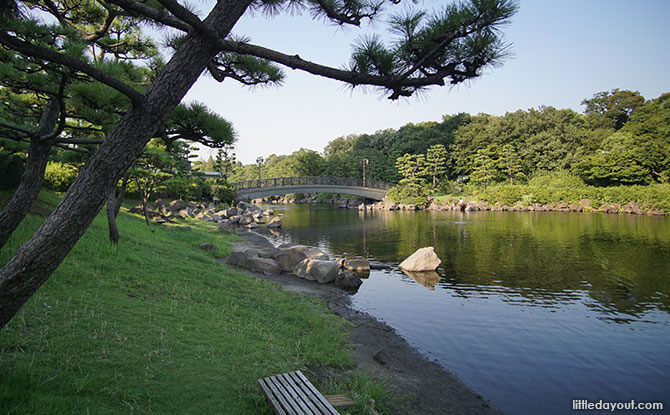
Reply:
x=11, y=167
x=225, y=194
x=409, y=195
x=556, y=179
x=187, y=188
x=59, y=176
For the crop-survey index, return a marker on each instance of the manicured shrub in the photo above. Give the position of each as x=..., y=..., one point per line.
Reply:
x=59, y=176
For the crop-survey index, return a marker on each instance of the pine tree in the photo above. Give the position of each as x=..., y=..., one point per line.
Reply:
x=436, y=162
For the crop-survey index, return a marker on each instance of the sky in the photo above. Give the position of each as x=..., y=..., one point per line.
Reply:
x=562, y=52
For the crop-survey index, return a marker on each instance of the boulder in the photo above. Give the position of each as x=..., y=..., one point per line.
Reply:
x=348, y=280
x=357, y=264
x=235, y=218
x=246, y=219
x=208, y=247
x=289, y=257
x=322, y=271
x=252, y=225
x=266, y=252
x=268, y=212
x=231, y=212
x=249, y=259
x=177, y=205
x=226, y=226
x=424, y=259
x=275, y=223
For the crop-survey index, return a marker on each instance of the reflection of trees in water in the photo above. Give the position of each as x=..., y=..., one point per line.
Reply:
x=546, y=259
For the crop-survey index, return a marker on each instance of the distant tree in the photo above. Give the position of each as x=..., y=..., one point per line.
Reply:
x=412, y=168
x=486, y=166
x=511, y=163
x=436, y=162
x=612, y=109
x=308, y=162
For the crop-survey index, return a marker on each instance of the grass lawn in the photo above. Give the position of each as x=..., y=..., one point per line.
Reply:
x=156, y=325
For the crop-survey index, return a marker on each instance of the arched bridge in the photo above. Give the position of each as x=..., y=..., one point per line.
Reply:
x=255, y=189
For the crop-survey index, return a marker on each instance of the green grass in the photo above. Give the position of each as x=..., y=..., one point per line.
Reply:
x=156, y=325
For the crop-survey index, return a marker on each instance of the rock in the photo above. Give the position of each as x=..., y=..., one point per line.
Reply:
x=208, y=247
x=252, y=225
x=424, y=259
x=136, y=209
x=275, y=223
x=160, y=220
x=226, y=226
x=268, y=212
x=246, y=219
x=357, y=264
x=249, y=259
x=216, y=218
x=322, y=271
x=231, y=212
x=378, y=265
x=348, y=280
x=266, y=252
x=289, y=257
x=222, y=213
x=585, y=203
x=235, y=218
x=177, y=205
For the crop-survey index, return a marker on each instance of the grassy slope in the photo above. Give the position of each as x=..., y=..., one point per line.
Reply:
x=155, y=325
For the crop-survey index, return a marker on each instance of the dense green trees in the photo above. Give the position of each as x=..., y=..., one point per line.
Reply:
x=620, y=139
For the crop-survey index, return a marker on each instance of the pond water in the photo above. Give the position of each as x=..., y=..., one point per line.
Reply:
x=531, y=309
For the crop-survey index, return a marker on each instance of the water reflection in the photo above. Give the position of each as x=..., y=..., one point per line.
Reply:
x=620, y=261
x=428, y=279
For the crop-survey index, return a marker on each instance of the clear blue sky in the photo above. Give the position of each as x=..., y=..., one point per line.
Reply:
x=563, y=51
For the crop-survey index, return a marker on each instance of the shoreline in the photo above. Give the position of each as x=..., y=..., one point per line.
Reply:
x=424, y=385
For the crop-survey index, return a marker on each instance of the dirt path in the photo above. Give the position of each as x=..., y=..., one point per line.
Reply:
x=379, y=350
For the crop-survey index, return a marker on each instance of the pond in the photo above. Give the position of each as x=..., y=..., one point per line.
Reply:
x=530, y=309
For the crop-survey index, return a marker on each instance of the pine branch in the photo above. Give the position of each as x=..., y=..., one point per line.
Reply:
x=39, y=52
x=154, y=14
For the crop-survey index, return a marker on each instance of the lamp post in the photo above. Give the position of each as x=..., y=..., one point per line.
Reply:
x=364, y=162
x=259, y=160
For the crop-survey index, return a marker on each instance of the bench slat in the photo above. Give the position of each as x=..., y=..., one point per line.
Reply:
x=322, y=401
x=293, y=394
x=305, y=401
x=290, y=396
x=271, y=396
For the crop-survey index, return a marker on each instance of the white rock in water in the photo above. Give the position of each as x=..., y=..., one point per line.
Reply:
x=423, y=259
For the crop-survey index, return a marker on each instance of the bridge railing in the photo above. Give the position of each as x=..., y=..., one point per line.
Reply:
x=308, y=181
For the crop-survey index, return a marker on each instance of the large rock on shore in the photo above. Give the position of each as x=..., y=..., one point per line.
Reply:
x=275, y=223
x=289, y=257
x=424, y=259
x=348, y=280
x=320, y=270
x=249, y=259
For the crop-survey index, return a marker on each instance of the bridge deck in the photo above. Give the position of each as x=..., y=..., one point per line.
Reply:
x=253, y=189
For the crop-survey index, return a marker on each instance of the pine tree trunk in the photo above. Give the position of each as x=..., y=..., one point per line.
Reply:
x=36, y=259
x=33, y=174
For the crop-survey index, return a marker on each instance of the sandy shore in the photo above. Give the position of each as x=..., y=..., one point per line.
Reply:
x=379, y=350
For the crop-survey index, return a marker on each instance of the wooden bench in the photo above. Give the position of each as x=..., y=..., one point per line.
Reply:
x=292, y=394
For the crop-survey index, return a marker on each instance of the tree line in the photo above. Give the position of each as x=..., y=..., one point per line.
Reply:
x=620, y=139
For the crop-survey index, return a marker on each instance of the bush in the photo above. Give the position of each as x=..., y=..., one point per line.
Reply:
x=409, y=195
x=187, y=188
x=557, y=179
x=225, y=194
x=59, y=176
x=11, y=168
